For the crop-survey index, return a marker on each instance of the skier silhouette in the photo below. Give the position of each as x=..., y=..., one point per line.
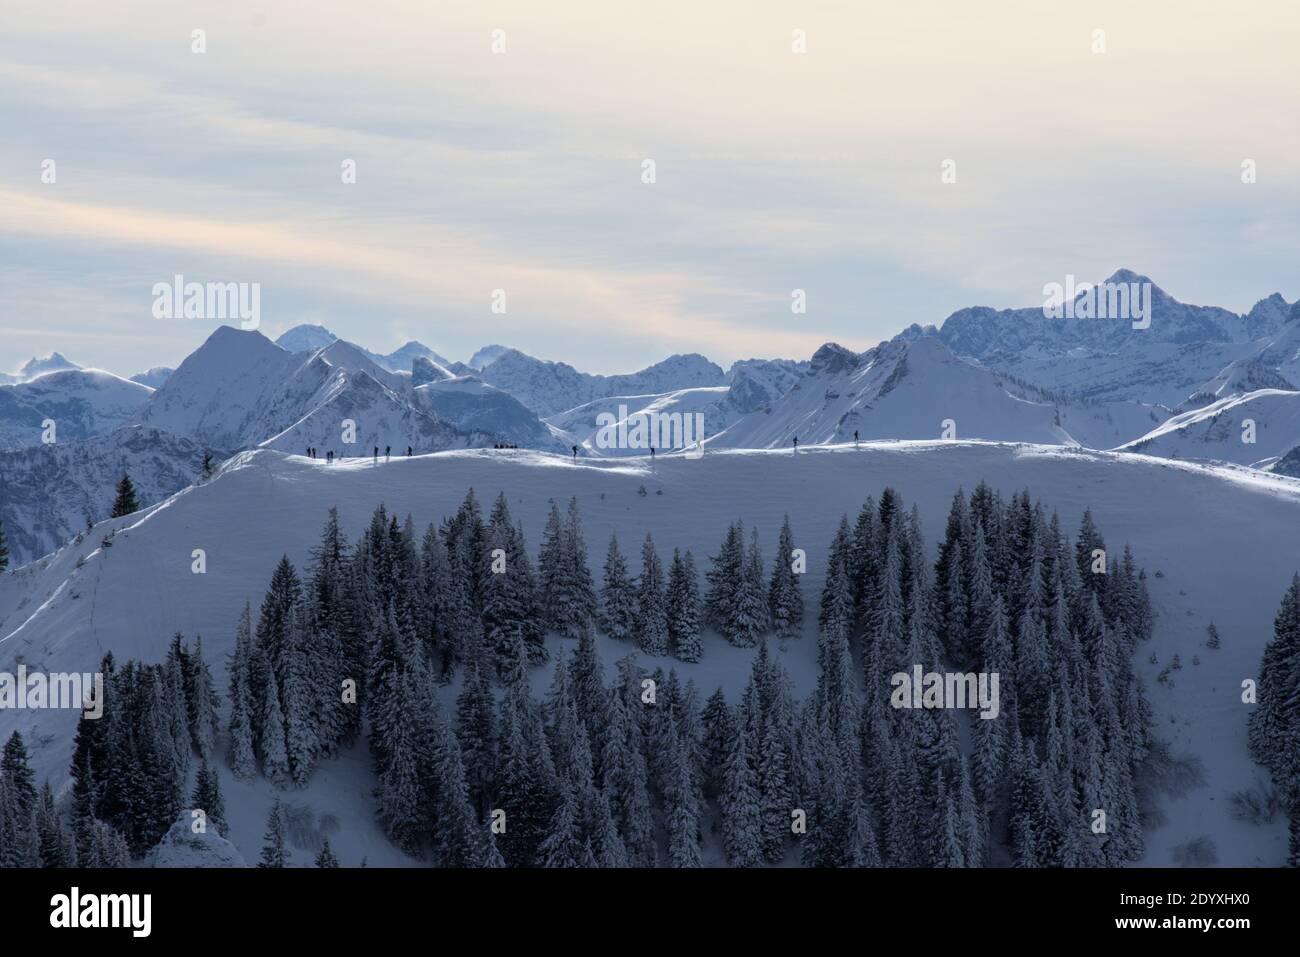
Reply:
x=575, y=453
x=387, y=452
x=796, y=443
x=408, y=451
x=329, y=457
x=855, y=436
x=376, y=453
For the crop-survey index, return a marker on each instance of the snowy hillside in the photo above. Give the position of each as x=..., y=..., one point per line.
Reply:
x=582, y=422
x=48, y=491
x=80, y=402
x=1219, y=430
x=1188, y=525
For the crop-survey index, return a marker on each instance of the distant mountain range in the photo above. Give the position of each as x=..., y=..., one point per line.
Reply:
x=1181, y=387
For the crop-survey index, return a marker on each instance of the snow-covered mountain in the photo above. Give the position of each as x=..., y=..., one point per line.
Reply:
x=153, y=378
x=80, y=402
x=1184, y=346
x=909, y=388
x=1254, y=429
x=235, y=390
x=310, y=338
x=48, y=491
x=473, y=406
x=66, y=612
x=551, y=387
x=54, y=362
x=584, y=422
x=752, y=384
x=484, y=357
x=239, y=391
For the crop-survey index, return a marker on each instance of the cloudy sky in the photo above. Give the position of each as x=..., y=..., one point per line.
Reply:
x=522, y=170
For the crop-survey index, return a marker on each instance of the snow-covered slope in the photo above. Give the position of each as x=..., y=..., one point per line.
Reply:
x=81, y=403
x=1218, y=431
x=1238, y=378
x=582, y=422
x=1189, y=526
x=48, y=491
x=551, y=387
x=908, y=388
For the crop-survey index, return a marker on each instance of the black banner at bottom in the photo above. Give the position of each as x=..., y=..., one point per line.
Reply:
x=335, y=906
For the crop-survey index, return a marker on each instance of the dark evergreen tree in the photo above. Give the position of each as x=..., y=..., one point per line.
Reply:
x=275, y=852
x=651, y=625
x=618, y=596
x=208, y=799
x=125, y=502
x=785, y=598
x=326, y=856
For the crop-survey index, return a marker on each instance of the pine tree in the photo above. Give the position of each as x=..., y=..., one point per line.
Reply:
x=326, y=856
x=242, y=761
x=618, y=596
x=652, y=613
x=275, y=758
x=684, y=608
x=18, y=773
x=4, y=548
x=785, y=598
x=625, y=776
x=682, y=808
x=724, y=578
x=274, y=850
x=56, y=847
x=202, y=702
x=1211, y=634
x=476, y=731
x=207, y=797
x=125, y=503
x=742, y=825
x=749, y=612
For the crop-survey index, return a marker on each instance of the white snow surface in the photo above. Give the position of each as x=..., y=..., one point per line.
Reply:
x=1218, y=543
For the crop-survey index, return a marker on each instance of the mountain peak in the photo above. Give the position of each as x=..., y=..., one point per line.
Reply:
x=54, y=362
x=486, y=356
x=832, y=358
x=305, y=338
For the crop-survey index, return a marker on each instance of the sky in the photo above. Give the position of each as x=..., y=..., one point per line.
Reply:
x=1075, y=153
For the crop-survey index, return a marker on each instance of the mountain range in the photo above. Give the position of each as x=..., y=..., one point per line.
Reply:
x=1181, y=387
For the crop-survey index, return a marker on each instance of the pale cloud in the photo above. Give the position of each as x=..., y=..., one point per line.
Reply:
x=520, y=171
